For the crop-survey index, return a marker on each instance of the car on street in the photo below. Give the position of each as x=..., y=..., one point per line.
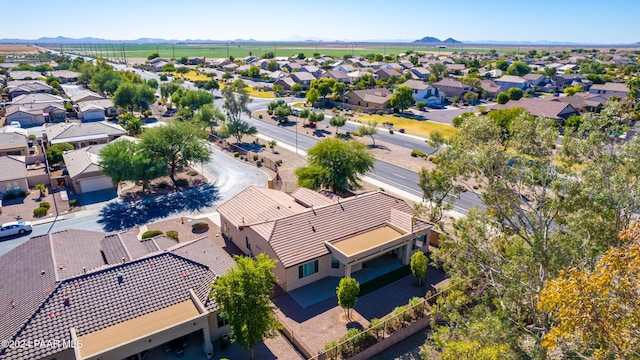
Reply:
x=15, y=228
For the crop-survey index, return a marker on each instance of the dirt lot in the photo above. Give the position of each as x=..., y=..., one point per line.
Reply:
x=14, y=49
x=160, y=186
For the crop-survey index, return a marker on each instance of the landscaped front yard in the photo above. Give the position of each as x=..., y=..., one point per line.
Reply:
x=412, y=126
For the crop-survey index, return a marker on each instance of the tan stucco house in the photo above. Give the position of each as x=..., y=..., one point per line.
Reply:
x=313, y=236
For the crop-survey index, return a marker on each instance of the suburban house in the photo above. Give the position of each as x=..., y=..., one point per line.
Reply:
x=65, y=76
x=25, y=75
x=455, y=68
x=452, y=87
x=387, y=73
x=313, y=236
x=618, y=89
x=564, y=80
x=345, y=68
x=217, y=63
x=86, y=96
x=286, y=83
x=535, y=79
x=277, y=75
x=507, y=82
x=558, y=111
x=84, y=170
x=421, y=73
x=336, y=75
x=96, y=110
x=312, y=69
x=195, y=60
x=290, y=66
x=355, y=76
x=423, y=91
x=490, y=88
x=13, y=144
x=83, y=134
x=13, y=177
x=36, y=113
x=115, y=295
x=368, y=98
x=37, y=98
x=582, y=102
x=303, y=78
x=157, y=64
x=31, y=87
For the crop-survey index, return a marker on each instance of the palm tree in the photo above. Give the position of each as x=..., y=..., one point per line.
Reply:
x=42, y=189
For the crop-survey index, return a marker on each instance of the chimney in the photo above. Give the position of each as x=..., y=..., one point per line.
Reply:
x=13, y=304
x=123, y=260
x=84, y=270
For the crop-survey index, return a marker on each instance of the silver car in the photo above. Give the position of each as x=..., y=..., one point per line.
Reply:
x=15, y=228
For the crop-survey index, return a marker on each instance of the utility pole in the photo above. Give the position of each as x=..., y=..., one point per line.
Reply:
x=173, y=46
x=228, y=51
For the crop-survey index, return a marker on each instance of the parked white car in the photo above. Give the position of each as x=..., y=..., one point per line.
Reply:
x=15, y=228
x=15, y=124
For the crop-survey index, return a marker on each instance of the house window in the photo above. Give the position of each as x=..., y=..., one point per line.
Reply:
x=419, y=242
x=307, y=269
x=246, y=240
x=222, y=321
x=12, y=186
x=335, y=264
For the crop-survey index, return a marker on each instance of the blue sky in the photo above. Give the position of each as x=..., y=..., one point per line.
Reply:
x=586, y=21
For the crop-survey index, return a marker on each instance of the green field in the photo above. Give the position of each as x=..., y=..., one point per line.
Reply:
x=224, y=50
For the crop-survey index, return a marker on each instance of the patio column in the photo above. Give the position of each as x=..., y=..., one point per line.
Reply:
x=406, y=259
x=207, y=346
x=347, y=271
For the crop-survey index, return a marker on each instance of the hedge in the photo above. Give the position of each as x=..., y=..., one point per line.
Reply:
x=151, y=233
x=172, y=234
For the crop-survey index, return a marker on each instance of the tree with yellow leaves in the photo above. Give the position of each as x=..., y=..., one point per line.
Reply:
x=597, y=313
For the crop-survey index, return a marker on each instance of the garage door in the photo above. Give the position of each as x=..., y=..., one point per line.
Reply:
x=94, y=115
x=95, y=184
x=24, y=122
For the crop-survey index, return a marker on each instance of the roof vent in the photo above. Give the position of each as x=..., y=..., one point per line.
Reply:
x=67, y=301
x=84, y=270
x=120, y=278
x=42, y=272
x=12, y=304
x=123, y=260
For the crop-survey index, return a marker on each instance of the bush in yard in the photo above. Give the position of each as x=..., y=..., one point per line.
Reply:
x=151, y=233
x=192, y=173
x=40, y=211
x=417, y=153
x=434, y=159
x=255, y=157
x=403, y=313
x=32, y=137
x=260, y=116
x=199, y=225
x=45, y=205
x=236, y=154
x=172, y=234
x=331, y=350
x=377, y=326
x=417, y=307
x=182, y=182
x=421, y=105
x=390, y=131
x=73, y=202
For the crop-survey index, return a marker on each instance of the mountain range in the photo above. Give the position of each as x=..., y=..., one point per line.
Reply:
x=296, y=38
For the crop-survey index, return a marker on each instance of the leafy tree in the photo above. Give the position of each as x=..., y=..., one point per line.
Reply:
x=134, y=96
x=439, y=70
x=573, y=122
x=596, y=312
x=418, y=265
x=131, y=123
x=115, y=161
x=54, y=153
x=42, y=189
x=75, y=64
x=282, y=111
x=335, y=164
x=243, y=295
x=369, y=129
x=296, y=88
x=153, y=83
x=515, y=93
x=168, y=89
x=300, y=56
x=470, y=97
x=634, y=91
x=313, y=95
x=502, y=64
x=163, y=77
x=278, y=89
x=323, y=85
x=194, y=100
x=421, y=105
x=572, y=90
x=178, y=143
x=338, y=121
x=208, y=115
x=550, y=71
x=315, y=117
x=458, y=120
x=518, y=68
x=339, y=88
x=595, y=78
x=402, y=98
x=237, y=128
x=254, y=72
x=502, y=98
x=592, y=67
x=272, y=65
x=169, y=67
x=153, y=55
x=236, y=100
x=347, y=292
x=184, y=60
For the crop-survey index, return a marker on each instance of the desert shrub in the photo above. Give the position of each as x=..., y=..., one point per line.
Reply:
x=192, y=173
x=45, y=205
x=417, y=153
x=236, y=154
x=40, y=211
x=32, y=137
x=255, y=157
x=421, y=105
x=172, y=234
x=151, y=233
x=381, y=112
x=331, y=350
x=279, y=162
x=260, y=116
x=390, y=131
x=434, y=159
x=73, y=202
x=200, y=225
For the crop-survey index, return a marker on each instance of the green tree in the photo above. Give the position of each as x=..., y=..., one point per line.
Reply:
x=131, y=123
x=54, y=153
x=550, y=71
x=272, y=65
x=347, y=292
x=254, y=72
x=169, y=67
x=134, y=96
x=339, y=88
x=153, y=83
x=125, y=160
x=502, y=64
x=470, y=97
x=323, y=85
x=168, y=89
x=236, y=100
x=337, y=121
x=335, y=164
x=278, y=89
x=243, y=295
x=194, y=100
x=184, y=60
x=208, y=115
x=237, y=128
x=178, y=143
x=296, y=88
x=418, y=265
x=402, y=98
x=42, y=189
x=502, y=98
x=153, y=55
x=515, y=93
x=518, y=68
x=369, y=128
x=572, y=90
x=313, y=96
x=315, y=117
x=439, y=70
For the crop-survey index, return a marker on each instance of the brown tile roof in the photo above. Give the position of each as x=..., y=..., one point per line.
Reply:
x=256, y=205
x=451, y=82
x=331, y=222
x=62, y=131
x=309, y=198
x=619, y=87
x=35, y=305
x=538, y=107
x=13, y=167
x=82, y=161
x=11, y=139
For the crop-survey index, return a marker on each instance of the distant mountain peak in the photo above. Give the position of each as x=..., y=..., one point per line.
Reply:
x=433, y=40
